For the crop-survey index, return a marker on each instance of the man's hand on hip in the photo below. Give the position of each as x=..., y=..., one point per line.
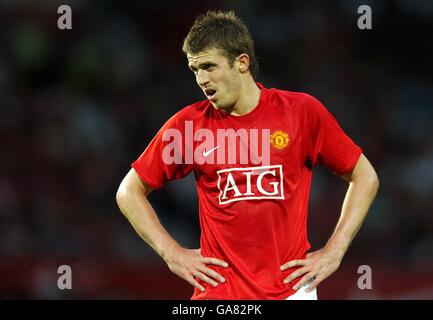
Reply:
x=189, y=264
x=315, y=268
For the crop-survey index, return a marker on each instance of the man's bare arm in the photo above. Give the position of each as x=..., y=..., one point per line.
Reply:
x=132, y=200
x=363, y=186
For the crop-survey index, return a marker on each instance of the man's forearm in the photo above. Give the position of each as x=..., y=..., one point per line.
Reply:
x=358, y=199
x=137, y=209
x=320, y=264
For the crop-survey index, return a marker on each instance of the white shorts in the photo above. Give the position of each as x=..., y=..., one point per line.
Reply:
x=300, y=294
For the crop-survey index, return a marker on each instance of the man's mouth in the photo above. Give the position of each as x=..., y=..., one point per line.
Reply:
x=211, y=94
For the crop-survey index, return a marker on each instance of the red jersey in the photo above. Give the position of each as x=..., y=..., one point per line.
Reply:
x=252, y=205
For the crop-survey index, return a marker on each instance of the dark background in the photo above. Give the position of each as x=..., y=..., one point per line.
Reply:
x=78, y=106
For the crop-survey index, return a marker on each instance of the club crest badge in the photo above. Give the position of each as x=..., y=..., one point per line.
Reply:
x=280, y=140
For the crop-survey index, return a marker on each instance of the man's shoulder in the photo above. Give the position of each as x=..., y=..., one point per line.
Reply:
x=297, y=96
x=192, y=111
x=296, y=100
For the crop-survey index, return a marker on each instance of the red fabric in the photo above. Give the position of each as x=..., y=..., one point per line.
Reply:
x=241, y=224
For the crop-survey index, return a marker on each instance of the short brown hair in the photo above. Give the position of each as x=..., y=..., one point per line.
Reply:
x=221, y=30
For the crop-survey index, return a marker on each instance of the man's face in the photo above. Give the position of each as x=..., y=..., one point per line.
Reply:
x=219, y=82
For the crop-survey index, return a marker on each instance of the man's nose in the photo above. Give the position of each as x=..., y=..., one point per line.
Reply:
x=202, y=78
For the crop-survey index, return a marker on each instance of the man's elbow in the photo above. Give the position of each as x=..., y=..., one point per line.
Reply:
x=364, y=175
x=122, y=195
x=125, y=191
x=371, y=180
x=130, y=187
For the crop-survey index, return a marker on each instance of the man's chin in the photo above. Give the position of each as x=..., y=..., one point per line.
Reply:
x=216, y=105
x=219, y=107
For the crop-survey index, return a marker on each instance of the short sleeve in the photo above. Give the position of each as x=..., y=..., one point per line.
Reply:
x=328, y=144
x=163, y=159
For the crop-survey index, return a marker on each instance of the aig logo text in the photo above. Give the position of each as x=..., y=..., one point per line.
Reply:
x=253, y=183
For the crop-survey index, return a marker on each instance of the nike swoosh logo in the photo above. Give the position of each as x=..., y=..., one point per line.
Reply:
x=206, y=153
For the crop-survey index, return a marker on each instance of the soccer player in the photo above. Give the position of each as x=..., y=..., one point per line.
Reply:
x=251, y=150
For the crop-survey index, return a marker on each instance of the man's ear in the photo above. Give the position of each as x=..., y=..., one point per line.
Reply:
x=243, y=63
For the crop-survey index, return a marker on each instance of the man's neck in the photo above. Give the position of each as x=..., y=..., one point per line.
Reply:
x=249, y=99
